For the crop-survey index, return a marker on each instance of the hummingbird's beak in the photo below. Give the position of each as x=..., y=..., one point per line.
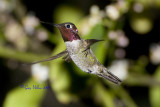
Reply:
x=56, y=25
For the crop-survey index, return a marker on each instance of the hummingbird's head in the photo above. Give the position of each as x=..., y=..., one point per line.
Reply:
x=69, y=31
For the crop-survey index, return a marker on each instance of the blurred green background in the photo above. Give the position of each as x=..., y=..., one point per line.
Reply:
x=131, y=51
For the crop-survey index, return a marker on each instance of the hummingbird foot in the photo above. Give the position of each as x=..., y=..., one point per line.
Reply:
x=89, y=71
x=67, y=58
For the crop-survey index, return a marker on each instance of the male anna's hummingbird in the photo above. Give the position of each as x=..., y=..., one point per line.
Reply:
x=79, y=51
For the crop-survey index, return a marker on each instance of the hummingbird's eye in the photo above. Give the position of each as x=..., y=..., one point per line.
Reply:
x=68, y=26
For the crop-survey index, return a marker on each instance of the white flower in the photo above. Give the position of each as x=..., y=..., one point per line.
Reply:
x=13, y=31
x=120, y=69
x=85, y=27
x=4, y=5
x=138, y=7
x=120, y=53
x=15, y=34
x=96, y=15
x=39, y=72
x=155, y=53
x=112, y=12
x=94, y=10
x=122, y=6
x=30, y=22
x=120, y=38
x=122, y=41
x=42, y=35
x=112, y=35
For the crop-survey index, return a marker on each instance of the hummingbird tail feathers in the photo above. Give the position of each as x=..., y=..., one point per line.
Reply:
x=109, y=76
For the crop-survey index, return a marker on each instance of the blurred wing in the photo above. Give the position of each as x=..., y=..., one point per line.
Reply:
x=91, y=42
x=65, y=52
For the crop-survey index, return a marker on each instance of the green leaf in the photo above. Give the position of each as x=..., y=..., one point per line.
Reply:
x=21, y=97
x=102, y=95
x=155, y=91
x=21, y=56
x=59, y=77
x=65, y=13
x=97, y=32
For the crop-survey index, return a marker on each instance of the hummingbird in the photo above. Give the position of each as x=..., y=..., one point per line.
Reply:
x=78, y=51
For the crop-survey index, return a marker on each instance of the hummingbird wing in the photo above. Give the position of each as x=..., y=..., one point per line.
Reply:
x=65, y=52
x=91, y=42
